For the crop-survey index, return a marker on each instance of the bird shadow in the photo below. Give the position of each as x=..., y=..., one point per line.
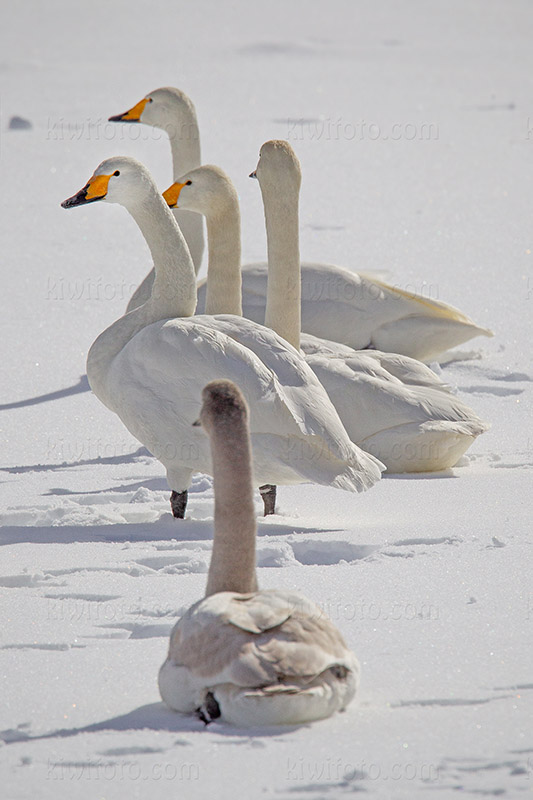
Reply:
x=166, y=528
x=154, y=484
x=128, y=458
x=76, y=388
x=154, y=717
x=420, y=476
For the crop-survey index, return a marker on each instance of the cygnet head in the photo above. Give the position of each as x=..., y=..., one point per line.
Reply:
x=224, y=408
x=116, y=180
x=278, y=166
x=167, y=108
x=206, y=190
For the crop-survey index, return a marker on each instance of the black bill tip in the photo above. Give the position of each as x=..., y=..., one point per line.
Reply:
x=253, y=174
x=79, y=199
x=120, y=118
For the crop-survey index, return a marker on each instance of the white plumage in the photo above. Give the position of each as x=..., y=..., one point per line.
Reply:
x=337, y=304
x=149, y=366
x=391, y=405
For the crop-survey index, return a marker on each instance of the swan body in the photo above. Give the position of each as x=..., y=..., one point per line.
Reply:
x=249, y=651
x=391, y=405
x=363, y=312
x=408, y=370
x=336, y=304
x=246, y=656
x=411, y=428
x=173, y=112
x=149, y=366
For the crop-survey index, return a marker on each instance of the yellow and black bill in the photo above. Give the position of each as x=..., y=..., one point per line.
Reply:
x=172, y=194
x=134, y=114
x=95, y=189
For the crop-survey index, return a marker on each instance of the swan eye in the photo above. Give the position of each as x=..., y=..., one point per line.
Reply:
x=188, y=183
x=116, y=172
x=150, y=100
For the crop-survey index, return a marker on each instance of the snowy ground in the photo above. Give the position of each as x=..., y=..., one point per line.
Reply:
x=426, y=576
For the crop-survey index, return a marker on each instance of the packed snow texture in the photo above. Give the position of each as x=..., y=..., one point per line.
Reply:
x=413, y=122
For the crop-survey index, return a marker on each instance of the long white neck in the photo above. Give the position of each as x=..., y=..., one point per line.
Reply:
x=174, y=288
x=224, y=269
x=173, y=291
x=283, y=312
x=185, y=140
x=232, y=567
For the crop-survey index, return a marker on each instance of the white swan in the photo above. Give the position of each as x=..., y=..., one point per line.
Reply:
x=172, y=111
x=337, y=304
x=250, y=657
x=149, y=367
x=391, y=405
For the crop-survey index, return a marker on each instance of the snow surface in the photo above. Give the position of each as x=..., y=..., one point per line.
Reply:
x=427, y=577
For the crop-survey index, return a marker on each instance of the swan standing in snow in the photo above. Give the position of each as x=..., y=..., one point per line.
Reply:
x=337, y=304
x=150, y=365
x=172, y=111
x=391, y=405
x=250, y=657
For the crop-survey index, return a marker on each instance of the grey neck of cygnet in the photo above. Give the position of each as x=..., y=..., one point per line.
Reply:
x=224, y=270
x=232, y=567
x=283, y=313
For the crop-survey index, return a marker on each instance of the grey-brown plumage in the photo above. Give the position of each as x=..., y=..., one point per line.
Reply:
x=253, y=657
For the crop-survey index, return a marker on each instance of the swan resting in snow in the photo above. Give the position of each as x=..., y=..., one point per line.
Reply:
x=242, y=655
x=391, y=405
x=150, y=365
x=337, y=304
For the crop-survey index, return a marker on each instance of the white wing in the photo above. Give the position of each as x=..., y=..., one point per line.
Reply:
x=411, y=428
x=156, y=381
x=362, y=312
x=408, y=370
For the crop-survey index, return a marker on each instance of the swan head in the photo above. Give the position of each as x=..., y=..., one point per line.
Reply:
x=223, y=407
x=278, y=166
x=116, y=180
x=167, y=108
x=206, y=190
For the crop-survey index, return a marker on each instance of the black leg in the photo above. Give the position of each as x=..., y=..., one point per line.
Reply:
x=268, y=493
x=210, y=710
x=178, y=503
